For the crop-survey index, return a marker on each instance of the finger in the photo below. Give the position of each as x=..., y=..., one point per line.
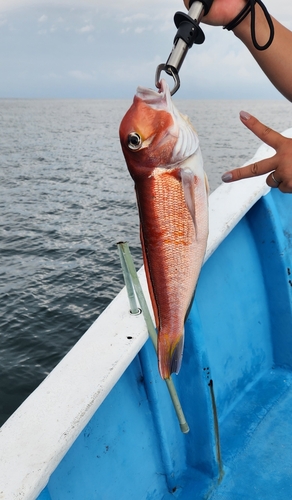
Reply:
x=285, y=187
x=252, y=170
x=273, y=180
x=266, y=134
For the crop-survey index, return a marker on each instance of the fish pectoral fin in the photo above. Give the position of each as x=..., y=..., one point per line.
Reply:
x=188, y=180
x=149, y=281
x=207, y=184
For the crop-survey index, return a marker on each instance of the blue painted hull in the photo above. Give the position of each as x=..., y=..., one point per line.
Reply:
x=238, y=354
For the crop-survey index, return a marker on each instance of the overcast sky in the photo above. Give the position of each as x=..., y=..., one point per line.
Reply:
x=105, y=49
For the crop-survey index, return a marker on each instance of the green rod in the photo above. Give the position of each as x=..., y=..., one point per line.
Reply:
x=124, y=248
x=134, y=309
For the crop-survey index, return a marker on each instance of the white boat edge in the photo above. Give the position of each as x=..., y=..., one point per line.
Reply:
x=37, y=436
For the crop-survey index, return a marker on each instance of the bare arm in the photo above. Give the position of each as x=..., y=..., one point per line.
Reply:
x=276, y=63
x=276, y=60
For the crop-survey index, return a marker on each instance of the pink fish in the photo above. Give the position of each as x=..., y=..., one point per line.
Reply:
x=162, y=152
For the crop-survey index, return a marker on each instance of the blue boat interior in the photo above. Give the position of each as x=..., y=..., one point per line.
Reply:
x=235, y=386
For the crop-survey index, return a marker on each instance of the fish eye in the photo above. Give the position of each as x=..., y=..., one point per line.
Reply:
x=134, y=141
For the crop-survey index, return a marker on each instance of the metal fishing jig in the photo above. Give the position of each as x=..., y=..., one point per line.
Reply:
x=188, y=33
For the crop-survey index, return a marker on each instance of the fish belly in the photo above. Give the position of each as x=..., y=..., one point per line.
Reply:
x=173, y=251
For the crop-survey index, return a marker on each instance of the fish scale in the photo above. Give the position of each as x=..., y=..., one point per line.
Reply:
x=166, y=225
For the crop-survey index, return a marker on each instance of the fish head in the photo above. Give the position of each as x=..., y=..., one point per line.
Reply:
x=153, y=133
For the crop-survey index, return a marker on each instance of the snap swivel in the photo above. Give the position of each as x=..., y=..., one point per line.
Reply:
x=188, y=33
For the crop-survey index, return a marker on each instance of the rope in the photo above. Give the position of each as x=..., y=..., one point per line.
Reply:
x=250, y=8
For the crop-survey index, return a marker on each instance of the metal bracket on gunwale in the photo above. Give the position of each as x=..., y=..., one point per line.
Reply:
x=133, y=284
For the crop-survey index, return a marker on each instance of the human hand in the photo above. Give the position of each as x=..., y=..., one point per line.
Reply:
x=222, y=12
x=280, y=165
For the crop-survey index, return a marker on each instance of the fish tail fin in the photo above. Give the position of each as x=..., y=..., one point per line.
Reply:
x=169, y=354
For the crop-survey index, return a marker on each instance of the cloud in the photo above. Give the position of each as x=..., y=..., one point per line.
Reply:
x=82, y=75
x=3, y=22
x=150, y=7
x=141, y=29
x=94, y=45
x=86, y=29
x=43, y=19
x=135, y=17
x=223, y=67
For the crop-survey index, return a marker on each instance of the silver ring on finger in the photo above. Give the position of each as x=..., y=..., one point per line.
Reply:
x=275, y=180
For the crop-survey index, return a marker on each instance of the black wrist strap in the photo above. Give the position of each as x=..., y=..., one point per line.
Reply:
x=250, y=8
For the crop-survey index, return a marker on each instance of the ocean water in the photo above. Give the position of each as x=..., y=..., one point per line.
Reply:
x=66, y=199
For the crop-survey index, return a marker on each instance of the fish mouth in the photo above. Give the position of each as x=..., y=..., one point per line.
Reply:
x=157, y=99
x=187, y=142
